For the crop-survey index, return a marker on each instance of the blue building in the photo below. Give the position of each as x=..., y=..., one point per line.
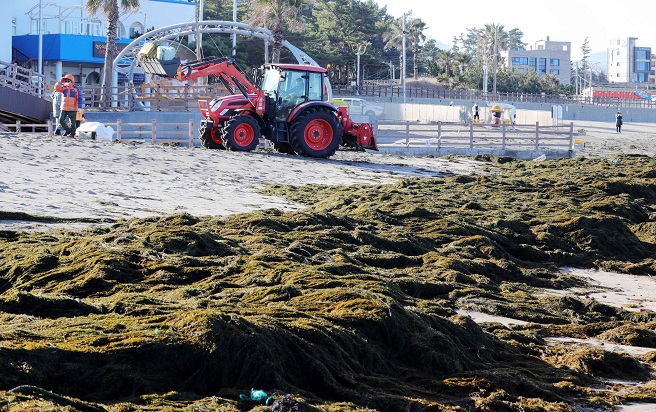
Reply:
x=73, y=41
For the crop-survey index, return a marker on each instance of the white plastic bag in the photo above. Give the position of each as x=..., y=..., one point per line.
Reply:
x=95, y=130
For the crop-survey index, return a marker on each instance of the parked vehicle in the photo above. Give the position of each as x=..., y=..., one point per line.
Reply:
x=360, y=106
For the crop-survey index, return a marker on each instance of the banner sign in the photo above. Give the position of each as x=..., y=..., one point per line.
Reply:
x=100, y=48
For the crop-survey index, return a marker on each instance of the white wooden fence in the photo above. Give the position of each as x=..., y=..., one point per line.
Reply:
x=475, y=136
x=407, y=134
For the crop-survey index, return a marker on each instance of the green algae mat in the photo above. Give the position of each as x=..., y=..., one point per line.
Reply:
x=349, y=304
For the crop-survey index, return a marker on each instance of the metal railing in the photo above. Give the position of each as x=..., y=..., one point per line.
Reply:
x=25, y=80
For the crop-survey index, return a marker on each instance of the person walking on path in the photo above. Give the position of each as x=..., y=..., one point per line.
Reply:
x=618, y=122
x=56, y=107
x=71, y=104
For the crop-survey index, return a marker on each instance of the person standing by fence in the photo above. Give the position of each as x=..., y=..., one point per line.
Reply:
x=71, y=104
x=477, y=118
x=56, y=107
x=618, y=122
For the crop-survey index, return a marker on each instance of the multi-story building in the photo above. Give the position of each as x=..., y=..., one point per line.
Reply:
x=628, y=63
x=652, y=72
x=73, y=41
x=544, y=57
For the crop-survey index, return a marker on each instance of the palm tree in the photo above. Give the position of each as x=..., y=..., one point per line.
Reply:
x=462, y=62
x=110, y=10
x=281, y=17
x=487, y=38
x=393, y=38
x=445, y=59
x=415, y=33
x=491, y=40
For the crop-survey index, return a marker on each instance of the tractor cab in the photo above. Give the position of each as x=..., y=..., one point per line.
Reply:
x=292, y=85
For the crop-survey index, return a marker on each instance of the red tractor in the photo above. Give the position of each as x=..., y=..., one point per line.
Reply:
x=289, y=106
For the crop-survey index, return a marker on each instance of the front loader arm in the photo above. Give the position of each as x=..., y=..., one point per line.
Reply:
x=231, y=73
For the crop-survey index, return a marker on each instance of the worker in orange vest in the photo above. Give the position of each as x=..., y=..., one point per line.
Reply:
x=71, y=104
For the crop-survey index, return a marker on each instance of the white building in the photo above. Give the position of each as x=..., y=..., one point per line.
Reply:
x=628, y=63
x=73, y=41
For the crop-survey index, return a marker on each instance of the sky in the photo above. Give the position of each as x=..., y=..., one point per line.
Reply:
x=561, y=20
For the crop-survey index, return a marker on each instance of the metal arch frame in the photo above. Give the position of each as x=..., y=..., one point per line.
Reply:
x=128, y=56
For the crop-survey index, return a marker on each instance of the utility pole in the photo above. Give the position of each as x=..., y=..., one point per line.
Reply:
x=485, y=72
x=201, y=13
x=591, y=84
x=494, y=81
x=234, y=35
x=403, y=67
x=391, y=78
x=197, y=32
x=40, y=37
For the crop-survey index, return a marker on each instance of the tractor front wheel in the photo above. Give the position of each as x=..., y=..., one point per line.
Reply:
x=242, y=133
x=316, y=133
x=210, y=136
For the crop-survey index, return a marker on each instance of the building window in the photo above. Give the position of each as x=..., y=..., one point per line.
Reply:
x=543, y=66
x=642, y=55
x=533, y=62
x=517, y=61
x=642, y=66
x=554, y=71
x=642, y=77
x=554, y=62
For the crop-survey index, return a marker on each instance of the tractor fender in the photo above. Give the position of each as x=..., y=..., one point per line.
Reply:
x=303, y=106
x=253, y=114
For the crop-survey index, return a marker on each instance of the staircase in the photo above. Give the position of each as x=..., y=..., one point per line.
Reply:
x=24, y=94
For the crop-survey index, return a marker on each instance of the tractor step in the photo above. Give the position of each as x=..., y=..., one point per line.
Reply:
x=281, y=132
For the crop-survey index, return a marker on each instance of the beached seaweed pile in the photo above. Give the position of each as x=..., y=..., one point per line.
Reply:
x=350, y=304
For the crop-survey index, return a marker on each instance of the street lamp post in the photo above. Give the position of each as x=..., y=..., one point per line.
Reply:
x=359, y=49
x=40, y=37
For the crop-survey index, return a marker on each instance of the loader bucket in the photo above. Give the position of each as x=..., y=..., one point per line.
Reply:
x=166, y=68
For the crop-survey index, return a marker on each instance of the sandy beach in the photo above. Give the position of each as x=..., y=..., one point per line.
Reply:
x=86, y=179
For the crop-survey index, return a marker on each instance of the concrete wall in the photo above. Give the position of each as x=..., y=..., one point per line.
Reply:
x=527, y=113
x=460, y=111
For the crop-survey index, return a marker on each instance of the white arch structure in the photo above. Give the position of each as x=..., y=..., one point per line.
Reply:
x=128, y=56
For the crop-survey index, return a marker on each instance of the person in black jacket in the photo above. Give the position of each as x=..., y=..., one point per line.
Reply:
x=618, y=122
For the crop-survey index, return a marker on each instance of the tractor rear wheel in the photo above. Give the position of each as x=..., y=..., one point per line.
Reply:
x=242, y=133
x=209, y=136
x=316, y=133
